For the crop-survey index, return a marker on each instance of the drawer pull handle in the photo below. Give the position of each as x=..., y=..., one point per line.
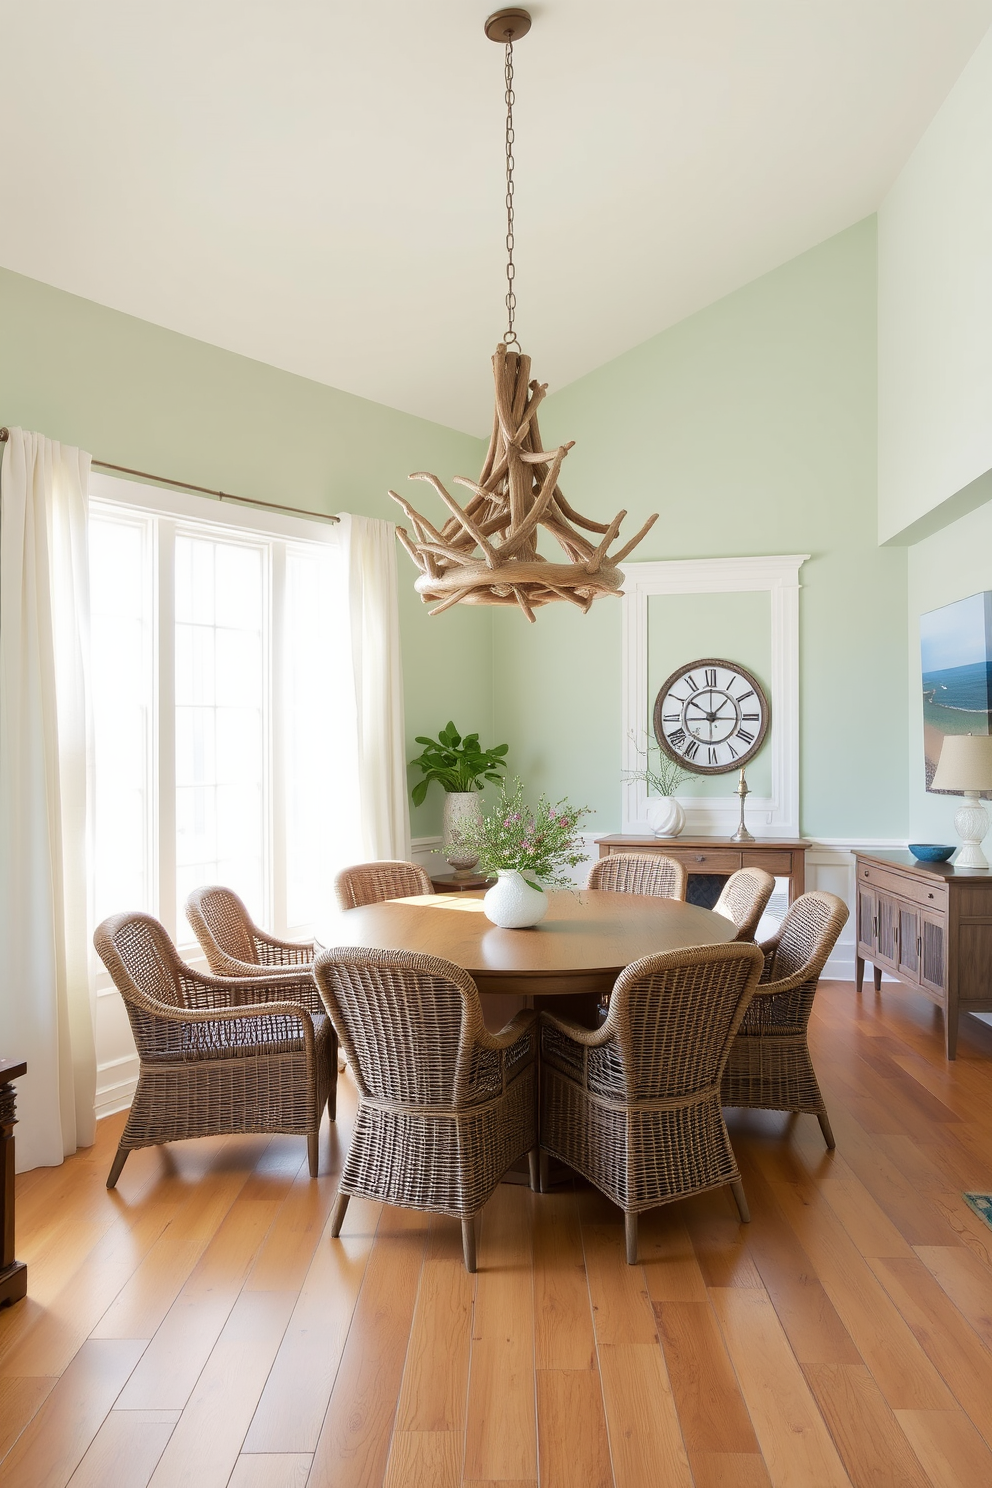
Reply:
x=929, y=896
x=700, y=857
x=865, y=871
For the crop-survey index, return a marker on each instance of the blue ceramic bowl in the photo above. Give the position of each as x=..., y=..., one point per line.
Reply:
x=930, y=852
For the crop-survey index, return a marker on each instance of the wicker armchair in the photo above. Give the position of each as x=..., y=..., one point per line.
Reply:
x=635, y=1106
x=770, y=1066
x=444, y=1106
x=234, y=945
x=371, y=883
x=744, y=899
x=639, y=873
x=216, y=1054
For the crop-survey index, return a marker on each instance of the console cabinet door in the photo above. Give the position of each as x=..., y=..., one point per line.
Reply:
x=867, y=922
x=910, y=946
x=887, y=942
x=933, y=952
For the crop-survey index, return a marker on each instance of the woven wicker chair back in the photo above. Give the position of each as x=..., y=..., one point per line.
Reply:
x=372, y=883
x=639, y=873
x=221, y=921
x=744, y=899
x=146, y=970
x=807, y=936
x=407, y=1024
x=671, y=1021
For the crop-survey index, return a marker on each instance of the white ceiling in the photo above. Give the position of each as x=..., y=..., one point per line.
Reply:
x=318, y=185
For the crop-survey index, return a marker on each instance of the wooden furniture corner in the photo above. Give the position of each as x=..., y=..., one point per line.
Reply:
x=930, y=926
x=13, y=1274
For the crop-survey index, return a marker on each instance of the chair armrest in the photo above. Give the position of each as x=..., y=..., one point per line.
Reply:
x=165, y=1012
x=205, y=991
x=800, y=978
x=301, y=952
x=508, y=1035
x=589, y=1038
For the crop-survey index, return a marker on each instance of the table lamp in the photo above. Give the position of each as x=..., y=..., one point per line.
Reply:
x=965, y=764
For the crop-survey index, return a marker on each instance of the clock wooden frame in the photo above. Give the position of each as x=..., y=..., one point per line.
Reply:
x=681, y=672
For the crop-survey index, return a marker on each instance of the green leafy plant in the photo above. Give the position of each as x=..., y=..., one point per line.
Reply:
x=456, y=763
x=540, y=842
x=662, y=775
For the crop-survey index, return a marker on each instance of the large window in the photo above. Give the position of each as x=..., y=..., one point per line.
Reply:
x=221, y=686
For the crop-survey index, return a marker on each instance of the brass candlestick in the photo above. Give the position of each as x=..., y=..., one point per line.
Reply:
x=742, y=834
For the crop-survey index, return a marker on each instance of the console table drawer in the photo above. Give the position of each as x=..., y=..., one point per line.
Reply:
x=771, y=862
x=930, y=893
x=716, y=860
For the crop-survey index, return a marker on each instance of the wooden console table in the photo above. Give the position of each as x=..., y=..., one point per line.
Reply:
x=785, y=857
x=930, y=926
x=13, y=1274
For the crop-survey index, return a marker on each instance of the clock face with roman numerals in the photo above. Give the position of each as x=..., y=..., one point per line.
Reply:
x=711, y=716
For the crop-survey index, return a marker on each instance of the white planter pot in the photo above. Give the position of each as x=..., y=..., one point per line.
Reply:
x=460, y=807
x=665, y=816
x=512, y=904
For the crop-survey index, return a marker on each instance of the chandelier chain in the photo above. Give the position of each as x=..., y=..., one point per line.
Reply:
x=510, y=335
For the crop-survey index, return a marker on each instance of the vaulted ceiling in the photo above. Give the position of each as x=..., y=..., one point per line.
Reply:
x=319, y=185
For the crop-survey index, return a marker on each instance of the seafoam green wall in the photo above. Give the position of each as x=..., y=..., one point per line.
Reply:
x=751, y=427
x=138, y=395
x=948, y=566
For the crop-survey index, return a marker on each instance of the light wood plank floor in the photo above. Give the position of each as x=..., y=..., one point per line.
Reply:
x=199, y=1326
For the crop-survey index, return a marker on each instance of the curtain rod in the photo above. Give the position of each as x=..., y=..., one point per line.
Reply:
x=165, y=480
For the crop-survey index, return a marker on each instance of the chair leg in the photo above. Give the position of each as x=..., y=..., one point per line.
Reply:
x=542, y=1172
x=340, y=1209
x=827, y=1130
x=534, y=1164
x=313, y=1157
x=468, y=1244
x=630, y=1234
x=115, y=1169
x=737, y=1189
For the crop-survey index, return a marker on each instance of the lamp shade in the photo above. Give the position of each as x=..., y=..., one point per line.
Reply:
x=965, y=763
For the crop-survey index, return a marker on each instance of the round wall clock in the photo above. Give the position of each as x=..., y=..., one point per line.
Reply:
x=711, y=716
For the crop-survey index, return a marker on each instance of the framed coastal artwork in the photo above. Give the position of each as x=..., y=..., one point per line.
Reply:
x=956, y=656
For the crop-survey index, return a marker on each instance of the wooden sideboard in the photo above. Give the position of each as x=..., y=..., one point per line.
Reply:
x=930, y=926
x=785, y=857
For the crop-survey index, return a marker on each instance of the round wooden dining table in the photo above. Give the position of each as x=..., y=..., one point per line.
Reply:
x=566, y=962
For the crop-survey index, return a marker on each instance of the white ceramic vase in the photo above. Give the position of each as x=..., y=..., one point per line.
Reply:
x=665, y=816
x=460, y=807
x=512, y=904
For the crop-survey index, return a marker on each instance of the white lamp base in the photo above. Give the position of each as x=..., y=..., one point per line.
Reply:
x=971, y=823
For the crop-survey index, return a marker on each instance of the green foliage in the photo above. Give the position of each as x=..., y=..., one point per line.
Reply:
x=539, y=842
x=662, y=775
x=457, y=764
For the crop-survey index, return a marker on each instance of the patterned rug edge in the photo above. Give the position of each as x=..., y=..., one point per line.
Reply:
x=982, y=1205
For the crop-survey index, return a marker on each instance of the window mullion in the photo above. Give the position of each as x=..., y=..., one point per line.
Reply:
x=167, y=908
x=277, y=709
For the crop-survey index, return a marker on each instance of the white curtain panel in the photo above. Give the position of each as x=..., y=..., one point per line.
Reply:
x=370, y=546
x=46, y=1014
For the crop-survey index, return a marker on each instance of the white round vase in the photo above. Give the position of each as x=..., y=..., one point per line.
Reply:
x=665, y=816
x=460, y=807
x=512, y=904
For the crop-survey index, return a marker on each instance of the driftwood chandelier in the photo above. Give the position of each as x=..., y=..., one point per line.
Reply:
x=486, y=550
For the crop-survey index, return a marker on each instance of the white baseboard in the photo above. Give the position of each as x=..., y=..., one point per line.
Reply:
x=116, y=1081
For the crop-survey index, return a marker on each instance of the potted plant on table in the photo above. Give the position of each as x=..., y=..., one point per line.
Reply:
x=461, y=767
x=525, y=847
x=663, y=776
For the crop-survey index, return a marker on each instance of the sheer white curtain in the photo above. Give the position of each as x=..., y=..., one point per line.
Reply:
x=370, y=547
x=45, y=1008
